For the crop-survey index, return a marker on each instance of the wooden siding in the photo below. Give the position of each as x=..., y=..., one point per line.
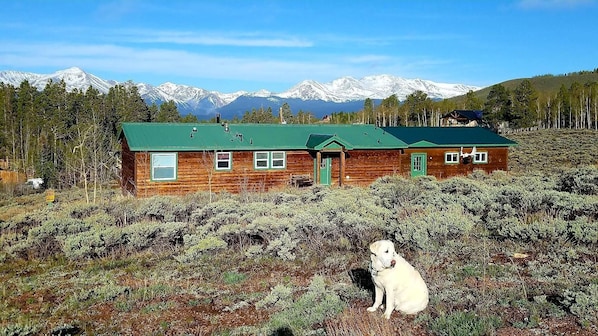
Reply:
x=127, y=168
x=196, y=173
x=435, y=165
x=365, y=166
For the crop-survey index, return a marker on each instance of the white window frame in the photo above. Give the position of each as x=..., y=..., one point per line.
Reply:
x=451, y=157
x=261, y=160
x=269, y=160
x=278, y=162
x=480, y=157
x=163, y=165
x=219, y=158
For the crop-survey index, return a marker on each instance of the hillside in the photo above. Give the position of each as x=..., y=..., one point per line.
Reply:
x=553, y=150
x=544, y=84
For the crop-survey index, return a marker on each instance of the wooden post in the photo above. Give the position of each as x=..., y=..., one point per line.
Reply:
x=342, y=177
x=318, y=163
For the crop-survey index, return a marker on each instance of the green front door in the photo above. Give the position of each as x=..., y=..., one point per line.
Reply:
x=418, y=164
x=325, y=172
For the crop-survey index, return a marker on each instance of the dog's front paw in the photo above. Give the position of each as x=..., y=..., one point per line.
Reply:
x=372, y=309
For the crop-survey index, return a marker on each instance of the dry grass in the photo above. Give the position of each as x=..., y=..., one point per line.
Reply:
x=356, y=320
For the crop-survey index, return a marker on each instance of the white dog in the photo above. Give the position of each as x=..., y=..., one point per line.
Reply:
x=405, y=289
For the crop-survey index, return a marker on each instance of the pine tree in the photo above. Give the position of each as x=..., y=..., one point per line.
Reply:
x=168, y=112
x=498, y=105
x=524, y=107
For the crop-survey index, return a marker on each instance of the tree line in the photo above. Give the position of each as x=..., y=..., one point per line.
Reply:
x=574, y=107
x=70, y=138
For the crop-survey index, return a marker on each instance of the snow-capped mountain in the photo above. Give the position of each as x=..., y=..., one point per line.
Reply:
x=74, y=78
x=373, y=87
x=198, y=101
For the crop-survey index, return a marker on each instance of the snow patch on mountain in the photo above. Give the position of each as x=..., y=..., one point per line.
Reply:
x=189, y=99
x=373, y=87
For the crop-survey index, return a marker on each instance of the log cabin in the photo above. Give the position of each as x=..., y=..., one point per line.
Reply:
x=178, y=159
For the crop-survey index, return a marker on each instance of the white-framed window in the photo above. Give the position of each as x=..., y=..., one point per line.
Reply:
x=163, y=166
x=224, y=160
x=269, y=160
x=480, y=157
x=279, y=160
x=451, y=157
x=261, y=160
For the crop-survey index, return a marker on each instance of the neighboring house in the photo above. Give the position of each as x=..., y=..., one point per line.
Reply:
x=451, y=151
x=177, y=159
x=469, y=118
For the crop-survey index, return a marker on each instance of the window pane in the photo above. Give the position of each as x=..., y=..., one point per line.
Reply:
x=163, y=173
x=223, y=160
x=451, y=157
x=163, y=166
x=417, y=163
x=163, y=160
x=278, y=159
x=481, y=157
x=261, y=156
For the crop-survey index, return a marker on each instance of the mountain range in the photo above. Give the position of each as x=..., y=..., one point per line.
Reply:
x=345, y=94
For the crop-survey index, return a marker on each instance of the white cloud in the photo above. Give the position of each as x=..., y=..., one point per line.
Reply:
x=212, y=39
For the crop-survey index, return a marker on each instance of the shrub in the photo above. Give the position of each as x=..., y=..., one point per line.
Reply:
x=316, y=305
x=583, y=181
x=197, y=246
x=429, y=228
x=18, y=329
x=163, y=208
x=465, y=324
x=280, y=296
x=93, y=243
x=81, y=210
x=583, y=303
x=584, y=230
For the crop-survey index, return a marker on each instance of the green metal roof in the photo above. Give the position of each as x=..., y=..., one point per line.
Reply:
x=197, y=137
x=448, y=137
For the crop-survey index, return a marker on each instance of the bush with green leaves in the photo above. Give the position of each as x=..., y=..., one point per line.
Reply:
x=430, y=227
x=103, y=240
x=464, y=324
x=196, y=246
x=583, y=303
x=163, y=208
x=583, y=181
x=317, y=304
x=280, y=296
x=19, y=329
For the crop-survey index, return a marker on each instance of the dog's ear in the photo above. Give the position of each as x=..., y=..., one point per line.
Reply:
x=374, y=245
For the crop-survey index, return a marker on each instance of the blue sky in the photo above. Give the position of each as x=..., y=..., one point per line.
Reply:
x=228, y=46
